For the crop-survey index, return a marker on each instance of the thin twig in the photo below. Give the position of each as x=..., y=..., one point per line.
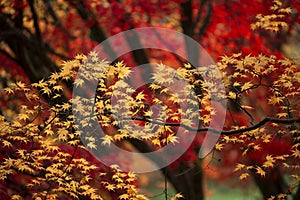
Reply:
x=230, y=132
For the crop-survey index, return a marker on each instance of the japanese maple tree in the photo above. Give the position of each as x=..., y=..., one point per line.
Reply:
x=45, y=43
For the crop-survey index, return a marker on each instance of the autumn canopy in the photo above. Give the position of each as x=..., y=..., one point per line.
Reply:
x=93, y=93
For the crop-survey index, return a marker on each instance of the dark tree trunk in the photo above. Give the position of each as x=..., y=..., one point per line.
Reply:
x=187, y=180
x=271, y=184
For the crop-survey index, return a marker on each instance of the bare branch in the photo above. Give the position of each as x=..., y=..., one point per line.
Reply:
x=230, y=132
x=187, y=18
x=96, y=32
x=56, y=19
x=35, y=20
x=200, y=10
x=206, y=20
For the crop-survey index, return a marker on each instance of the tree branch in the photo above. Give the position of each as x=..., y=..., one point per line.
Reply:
x=56, y=19
x=187, y=18
x=200, y=10
x=96, y=32
x=230, y=132
x=35, y=21
x=206, y=20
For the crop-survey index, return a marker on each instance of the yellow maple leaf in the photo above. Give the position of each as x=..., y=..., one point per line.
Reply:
x=156, y=141
x=49, y=132
x=165, y=90
x=123, y=196
x=269, y=161
x=219, y=146
x=6, y=143
x=47, y=91
x=256, y=147
x=140, y=197
x=16, y=197
x=140, y=96
x=271, y=198
x=58, y=88
x=275, y=100
x=55, y=76
x=247, y=107
x=232, y=95
x=246, y=86
x=119, y=137
x=238, y=167
x=172, y=138
x=236, y=84
x=154, y=86
x=110, y=187
x=244, y=176
x=296, y=153
x=78, y=82
x=23, y=116
x=285, y=10
x=226, y=138
x=281, y=196
x=20, y=84
x=107, y=139
x=9, y=90
x=260, y=171
x=282, y=115
x=65, y=106
x=178, y=196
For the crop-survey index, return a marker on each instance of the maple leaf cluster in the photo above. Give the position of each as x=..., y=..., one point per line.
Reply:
x=44, y=152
